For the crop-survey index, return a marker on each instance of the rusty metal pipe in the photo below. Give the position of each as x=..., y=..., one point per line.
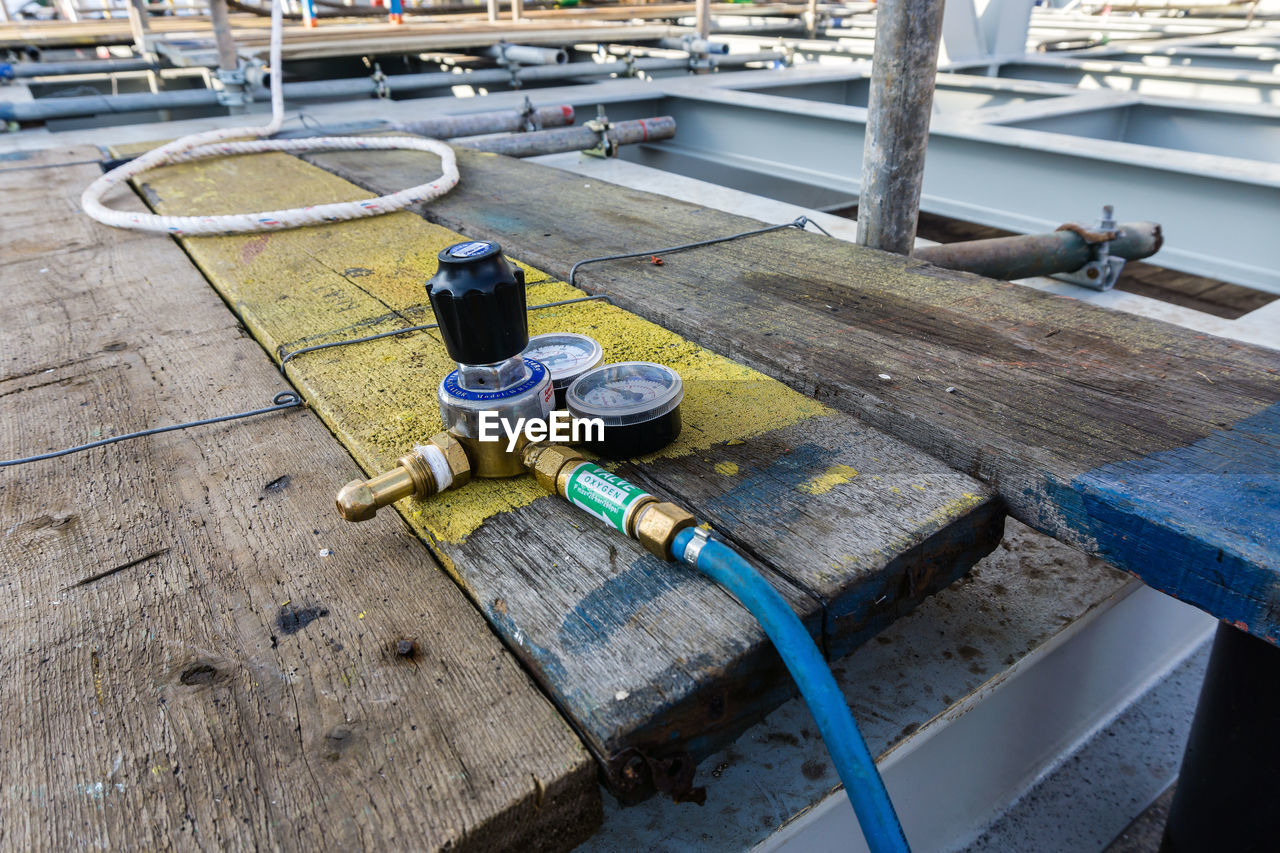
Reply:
x=445, y=127
x=1010, y=258
x=573, y=138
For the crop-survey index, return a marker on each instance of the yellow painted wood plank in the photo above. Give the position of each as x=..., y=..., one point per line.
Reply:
x=313, y=285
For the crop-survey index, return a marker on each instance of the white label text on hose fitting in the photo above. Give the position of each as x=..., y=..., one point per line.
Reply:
x=606, y=496
x=560, y=427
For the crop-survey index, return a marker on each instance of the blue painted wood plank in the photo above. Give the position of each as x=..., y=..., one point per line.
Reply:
x=1200, y=522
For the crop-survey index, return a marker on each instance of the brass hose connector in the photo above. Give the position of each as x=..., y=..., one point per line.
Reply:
x=653, y=523
x=426, y=470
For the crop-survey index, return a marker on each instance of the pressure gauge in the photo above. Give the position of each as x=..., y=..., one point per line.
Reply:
x=566, y=355
x=638, y=401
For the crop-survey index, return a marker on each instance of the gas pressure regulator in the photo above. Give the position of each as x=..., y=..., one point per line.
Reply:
x=504, y=380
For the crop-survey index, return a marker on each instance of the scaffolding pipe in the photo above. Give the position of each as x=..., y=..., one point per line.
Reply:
x=228, y=59
x=697, y=46
x=1028, y=255
x=139, y=27
x=82, y=105
x=526, y=54
x=903, y=66
x=490, y=76
x=445, y=127
x=28, y=70
x=702, y=11
x=573, y=138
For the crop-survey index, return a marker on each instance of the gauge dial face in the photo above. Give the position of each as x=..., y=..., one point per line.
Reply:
x=628, y=392
x=560, y=356
x=565, y=355
x=631, y=391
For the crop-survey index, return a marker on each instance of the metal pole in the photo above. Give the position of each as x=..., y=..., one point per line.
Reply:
x=573, y=138
x=228, y=59
x=703, y=11
x=811, y=19
x=517, y=10
x=1225, y=799
x=445, y=127
x=493, y=11
x=1010, y=258
x=139, y=26
x=524, y=54
x=80, y=66
x=904, y=64
x=47, y=108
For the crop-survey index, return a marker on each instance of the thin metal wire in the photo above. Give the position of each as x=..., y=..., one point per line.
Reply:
x=285, y=357
x=800, y=222
x=289, y=399
x=283, y=400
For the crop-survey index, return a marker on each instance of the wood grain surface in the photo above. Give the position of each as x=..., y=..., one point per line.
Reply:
x=196, y=652
x=655, y=665
x=1153, y=446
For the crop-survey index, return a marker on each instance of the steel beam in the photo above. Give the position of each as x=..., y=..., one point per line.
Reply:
x=1219, y=213
x=1206, y=83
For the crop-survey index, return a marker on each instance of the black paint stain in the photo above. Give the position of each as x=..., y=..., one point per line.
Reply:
x=198, y=673
x=813, y=769
x=291, y=620
x=278, y=484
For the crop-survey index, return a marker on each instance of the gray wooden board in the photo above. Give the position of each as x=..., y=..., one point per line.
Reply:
x=184, y=662
x=849, y=514
x=648, y=656
x=1153, y=446
x=655, y=665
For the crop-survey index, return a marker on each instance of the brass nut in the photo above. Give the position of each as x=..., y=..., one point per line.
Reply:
x=490, y=459
x=657, y=526
x=456, y=455
x=547, y=461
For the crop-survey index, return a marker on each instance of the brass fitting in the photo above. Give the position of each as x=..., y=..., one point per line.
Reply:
x=551, y=464
x=360, y=500
x=657, y=525
x=654, y=524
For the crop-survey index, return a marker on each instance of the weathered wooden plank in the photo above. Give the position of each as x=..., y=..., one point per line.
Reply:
x=1144, y=443
x=196, y=651
x=50, y=158
x=642, y=655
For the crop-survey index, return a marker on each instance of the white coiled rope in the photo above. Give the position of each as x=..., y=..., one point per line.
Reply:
x=216, y=143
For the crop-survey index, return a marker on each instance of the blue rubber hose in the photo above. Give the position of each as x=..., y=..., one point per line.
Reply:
x=853, y=761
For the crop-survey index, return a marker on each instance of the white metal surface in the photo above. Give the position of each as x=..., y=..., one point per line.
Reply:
x=957, y=775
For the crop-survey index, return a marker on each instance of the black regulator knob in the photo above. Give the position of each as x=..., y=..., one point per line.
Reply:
x=478, y=297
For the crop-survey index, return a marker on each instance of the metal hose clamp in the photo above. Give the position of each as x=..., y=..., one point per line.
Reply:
x=699, y=541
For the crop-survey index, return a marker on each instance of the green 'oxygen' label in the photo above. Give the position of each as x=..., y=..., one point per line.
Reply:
x=606, y=496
